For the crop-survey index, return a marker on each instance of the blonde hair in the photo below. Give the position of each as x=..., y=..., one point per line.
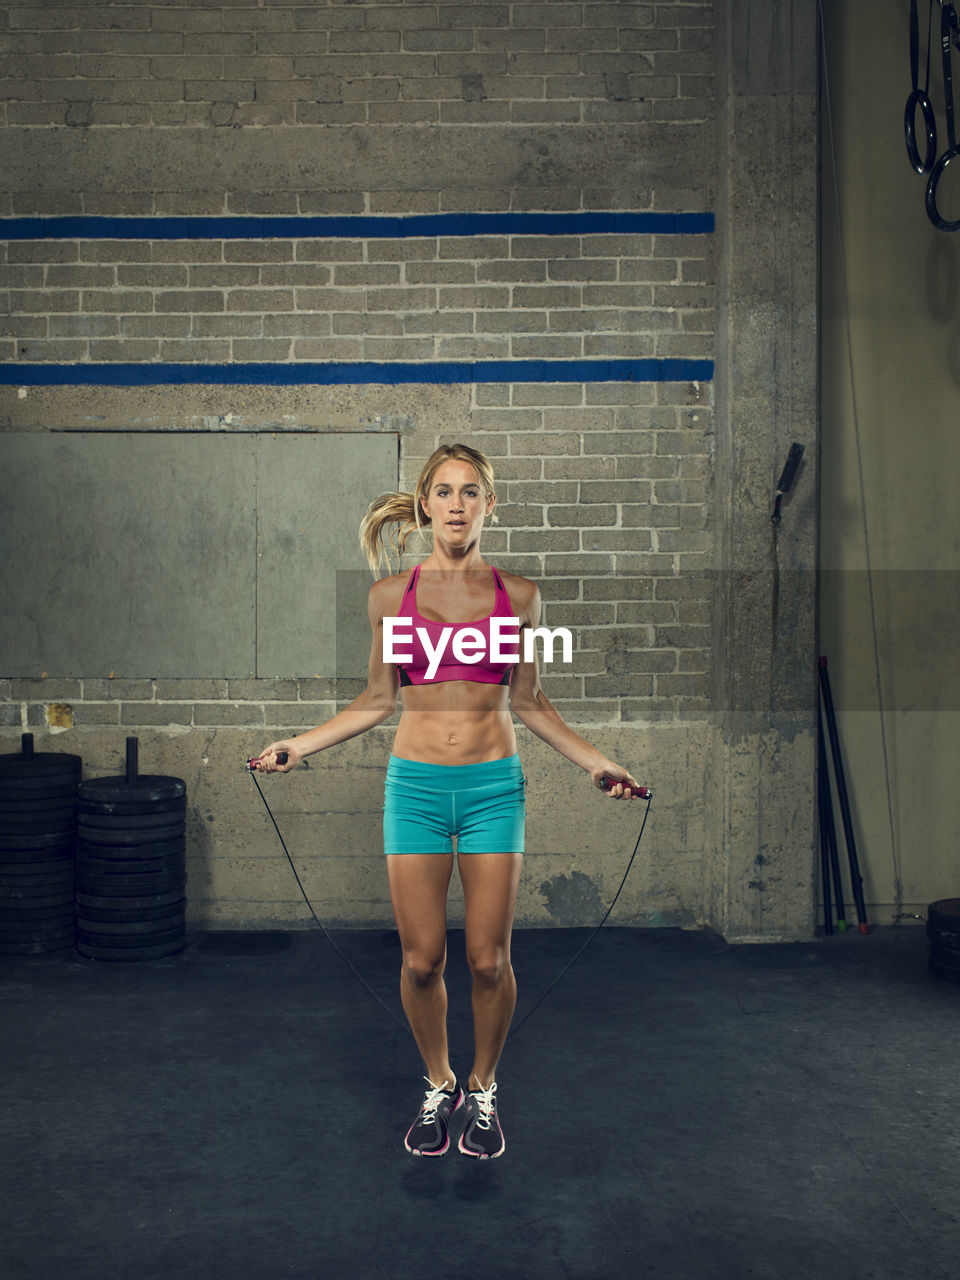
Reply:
x=404, y=510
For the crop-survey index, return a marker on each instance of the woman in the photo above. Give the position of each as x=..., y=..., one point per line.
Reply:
x=454, y=771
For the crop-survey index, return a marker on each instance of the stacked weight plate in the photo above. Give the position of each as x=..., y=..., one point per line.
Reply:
x=38, y=846
x=131, y=874
x=943, y=930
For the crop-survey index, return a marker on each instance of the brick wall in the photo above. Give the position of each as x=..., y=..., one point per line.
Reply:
x=606, y=485
x=440, y=298
x=445, y=63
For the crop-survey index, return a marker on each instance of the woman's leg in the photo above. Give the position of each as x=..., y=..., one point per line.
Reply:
x=490, y=883
x=418, y=890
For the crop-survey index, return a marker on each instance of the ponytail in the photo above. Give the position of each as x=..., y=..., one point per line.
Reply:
x=399, y=509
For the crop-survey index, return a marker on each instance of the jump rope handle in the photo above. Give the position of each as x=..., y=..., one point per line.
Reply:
x=254, y=762
x=609, y=783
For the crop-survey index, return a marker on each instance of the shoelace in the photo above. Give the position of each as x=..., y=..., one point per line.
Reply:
x=434, y=1096
x=485, y=1105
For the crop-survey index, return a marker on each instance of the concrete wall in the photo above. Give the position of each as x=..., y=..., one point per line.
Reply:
x=890, y=451
x=637, y=493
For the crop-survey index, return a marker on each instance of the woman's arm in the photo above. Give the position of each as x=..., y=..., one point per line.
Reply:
x=374, y=705
x=534, y=709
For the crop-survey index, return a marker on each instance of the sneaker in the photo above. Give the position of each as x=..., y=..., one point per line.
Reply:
x=428, y=1135
x=482, y=1136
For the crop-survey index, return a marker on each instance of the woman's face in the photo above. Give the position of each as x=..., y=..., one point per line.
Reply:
x=456, y=502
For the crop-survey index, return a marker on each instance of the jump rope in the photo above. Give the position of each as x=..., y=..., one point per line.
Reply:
x=644, y=793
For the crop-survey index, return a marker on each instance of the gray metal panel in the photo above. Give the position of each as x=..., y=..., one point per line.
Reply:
x=312, y=576
x=127, y=553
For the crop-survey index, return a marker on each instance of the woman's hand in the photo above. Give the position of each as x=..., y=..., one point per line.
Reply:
x=267, y=761
x=626, y=786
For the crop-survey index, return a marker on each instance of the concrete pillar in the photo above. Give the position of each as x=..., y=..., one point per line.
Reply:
x=760, y=874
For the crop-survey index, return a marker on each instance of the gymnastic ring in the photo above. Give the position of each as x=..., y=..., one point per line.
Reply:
x=919, y=99
x=933, y=213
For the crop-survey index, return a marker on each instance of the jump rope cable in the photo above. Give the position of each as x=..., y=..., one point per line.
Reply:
x=362, y=980
x=359, y=976
x=897, y=876
x=570, y=963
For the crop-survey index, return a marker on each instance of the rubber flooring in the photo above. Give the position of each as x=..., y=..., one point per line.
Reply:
x=677, y=1109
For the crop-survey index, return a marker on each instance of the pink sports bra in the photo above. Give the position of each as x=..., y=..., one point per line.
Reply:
x=483, y=669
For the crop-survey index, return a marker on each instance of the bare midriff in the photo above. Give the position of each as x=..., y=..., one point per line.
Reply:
x=455, y=722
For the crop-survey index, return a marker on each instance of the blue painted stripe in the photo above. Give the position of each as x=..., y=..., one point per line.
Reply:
x=357, y=227
x=334, y=373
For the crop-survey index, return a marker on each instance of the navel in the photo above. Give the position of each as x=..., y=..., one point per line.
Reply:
x=453, y=740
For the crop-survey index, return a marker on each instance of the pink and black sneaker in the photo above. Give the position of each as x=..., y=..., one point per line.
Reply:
x=482, y=1136
x=428, y=1134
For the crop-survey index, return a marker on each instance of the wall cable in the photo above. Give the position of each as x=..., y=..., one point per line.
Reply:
x=897, y=876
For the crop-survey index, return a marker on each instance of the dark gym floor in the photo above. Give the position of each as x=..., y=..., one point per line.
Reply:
x=678, y=1109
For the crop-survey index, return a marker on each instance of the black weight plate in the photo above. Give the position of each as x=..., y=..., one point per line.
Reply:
x=33, y=867
x=114, y=816
x=131, y=953
x=13, y=760
x=35, y=901
x=14, y=844
x=118, y=916
x=37, y=804
x=48, y=779
x=130, y=860
x=39, y=824
x=35, y=927
x=111, y=929
x=129, y=886
x=142, y=849
x=130, y=852
x=51, y=881
x=130, y=902
x=38, y=933
x=112, y=855
x=40, y=768
x=117, y=809
x=168, y=866
x=147, y=788
x=156, y=938
x=151, y=835
x=131, y=821
x=949, y=971
x=943, y=938
x=66, y=943
x=25, y=908
x=945, y=915
x=62, y=852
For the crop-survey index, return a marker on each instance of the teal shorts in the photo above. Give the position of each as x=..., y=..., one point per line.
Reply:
x=426, y=805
